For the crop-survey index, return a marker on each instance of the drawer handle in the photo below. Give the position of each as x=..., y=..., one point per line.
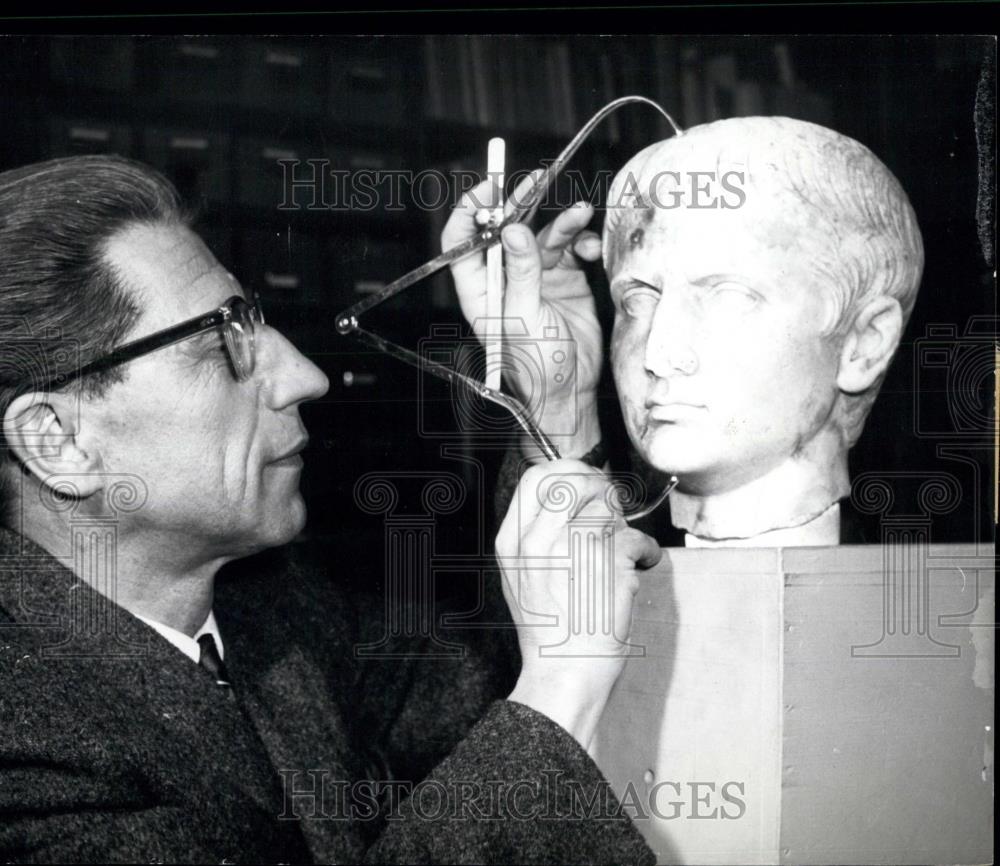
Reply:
x=205, y=52
x=371, y=73
x=281, y=281
x=364, y=160
x=278, y=153
x=352, y=379
x=89, y=133
x=280, y=58
x=182, y=142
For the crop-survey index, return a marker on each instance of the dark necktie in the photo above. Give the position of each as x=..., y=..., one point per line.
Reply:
x=211, y=661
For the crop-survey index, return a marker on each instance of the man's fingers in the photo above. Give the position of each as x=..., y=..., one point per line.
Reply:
x=639, y=547
x=523, y=269
x=558, y=235
x=588, y=246
x=565, y=499
x=526, y=504
x=469, y=273
x=462, y=223
x=547, y=498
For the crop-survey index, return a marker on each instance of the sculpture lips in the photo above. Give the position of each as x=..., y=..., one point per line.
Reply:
x=673, y=412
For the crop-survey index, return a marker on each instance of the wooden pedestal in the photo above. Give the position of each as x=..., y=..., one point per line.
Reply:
x=810, y=706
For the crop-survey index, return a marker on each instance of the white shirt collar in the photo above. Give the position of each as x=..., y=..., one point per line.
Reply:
x=189, y=645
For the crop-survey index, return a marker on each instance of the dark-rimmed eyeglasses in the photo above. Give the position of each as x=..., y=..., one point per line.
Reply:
x=237, y=318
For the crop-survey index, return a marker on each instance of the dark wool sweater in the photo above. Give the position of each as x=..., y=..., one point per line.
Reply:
x=115, y=747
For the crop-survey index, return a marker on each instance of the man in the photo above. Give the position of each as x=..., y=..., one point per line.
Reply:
x=762, y=271
x=150, y=712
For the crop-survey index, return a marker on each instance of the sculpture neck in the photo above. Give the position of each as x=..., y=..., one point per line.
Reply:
x=792, y=494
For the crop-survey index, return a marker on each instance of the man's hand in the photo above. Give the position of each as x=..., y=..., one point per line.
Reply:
x=546, y=302
x=570, y=566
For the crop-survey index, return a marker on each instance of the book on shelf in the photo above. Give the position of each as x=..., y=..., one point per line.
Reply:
x=517, y=83
x=665, y=85
x=692, y=91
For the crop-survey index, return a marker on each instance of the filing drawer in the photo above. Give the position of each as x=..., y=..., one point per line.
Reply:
x=366, y=179
x=98, y=62
x=196, y=161
x=367, y=380
x=366, y=85
x=219, y=239
x=22, y=143
x=282, y=76
x=358, y=266
x=285, y=267
x=69, y=137
x=261, y=173
x=194, y=70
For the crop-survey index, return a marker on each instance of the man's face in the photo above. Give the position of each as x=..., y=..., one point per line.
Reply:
x=717, y=347
x=217, y=455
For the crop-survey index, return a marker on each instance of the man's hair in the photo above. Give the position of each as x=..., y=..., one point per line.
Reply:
x=872, y=244
x=61, y=302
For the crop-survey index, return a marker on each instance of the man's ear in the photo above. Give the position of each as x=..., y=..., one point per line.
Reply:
x=42, y=432
x=870, y=344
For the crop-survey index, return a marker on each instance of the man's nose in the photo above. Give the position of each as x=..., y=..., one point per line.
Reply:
x=669, y=344
x=290, y=377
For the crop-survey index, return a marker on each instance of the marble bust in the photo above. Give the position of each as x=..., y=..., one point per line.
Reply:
x=762, y=270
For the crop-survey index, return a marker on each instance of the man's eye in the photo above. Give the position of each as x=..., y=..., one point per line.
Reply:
x=213, y=351
x=639, y=301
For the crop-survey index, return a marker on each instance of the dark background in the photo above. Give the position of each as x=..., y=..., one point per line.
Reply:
x=216, y=113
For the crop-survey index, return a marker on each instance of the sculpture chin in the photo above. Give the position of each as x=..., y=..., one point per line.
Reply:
x=795, y=491
x=706, y=463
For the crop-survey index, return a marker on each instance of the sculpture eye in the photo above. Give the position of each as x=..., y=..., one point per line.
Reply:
x=639, y=301
x=732, y=296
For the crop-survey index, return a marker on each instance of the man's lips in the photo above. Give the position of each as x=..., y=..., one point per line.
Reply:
x=296, y=449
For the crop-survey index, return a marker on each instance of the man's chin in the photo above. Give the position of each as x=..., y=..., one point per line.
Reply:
x=283, y=524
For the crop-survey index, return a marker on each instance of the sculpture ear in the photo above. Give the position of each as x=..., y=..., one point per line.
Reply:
x=41, y=431
x=870, y=344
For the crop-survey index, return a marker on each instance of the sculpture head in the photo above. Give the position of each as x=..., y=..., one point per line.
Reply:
x=762, y=271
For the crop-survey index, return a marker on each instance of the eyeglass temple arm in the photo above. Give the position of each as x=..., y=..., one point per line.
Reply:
x=511, y=404
x=523, y=210
x=137, y=348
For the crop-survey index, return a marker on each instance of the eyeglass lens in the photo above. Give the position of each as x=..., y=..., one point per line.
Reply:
x=240, y=336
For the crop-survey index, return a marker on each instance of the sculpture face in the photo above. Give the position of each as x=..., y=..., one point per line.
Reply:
x=718, y=347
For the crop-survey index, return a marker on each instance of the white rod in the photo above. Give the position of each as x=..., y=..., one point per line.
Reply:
x=495, y=160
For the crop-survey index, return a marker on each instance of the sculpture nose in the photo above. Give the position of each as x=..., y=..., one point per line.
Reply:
x=669, y=350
